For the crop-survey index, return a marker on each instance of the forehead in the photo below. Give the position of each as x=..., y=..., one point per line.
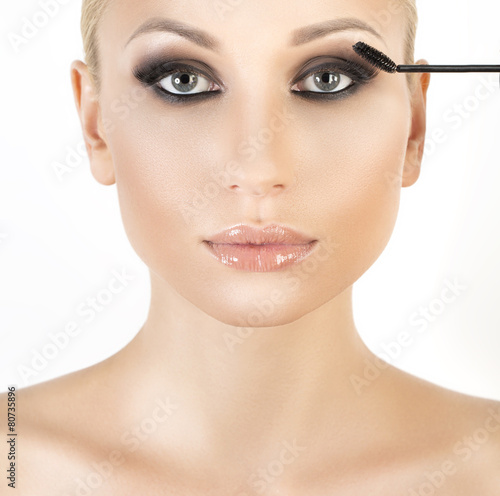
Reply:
x=259, y=25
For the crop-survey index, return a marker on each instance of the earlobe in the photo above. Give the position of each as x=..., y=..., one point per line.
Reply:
x=89, y=111
x=416, y=138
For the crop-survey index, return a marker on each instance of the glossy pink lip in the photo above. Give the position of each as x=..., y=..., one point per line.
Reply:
x=260, y=250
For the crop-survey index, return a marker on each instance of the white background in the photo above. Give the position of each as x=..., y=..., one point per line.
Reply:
x=61, y=240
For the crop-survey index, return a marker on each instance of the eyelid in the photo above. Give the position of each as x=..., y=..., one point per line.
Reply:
x=154, y=71
x=358, y=72
x=151, y=72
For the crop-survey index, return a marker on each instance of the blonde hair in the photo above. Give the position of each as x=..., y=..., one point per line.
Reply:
x=410, y=8
x=93, y=10
x=411, y=30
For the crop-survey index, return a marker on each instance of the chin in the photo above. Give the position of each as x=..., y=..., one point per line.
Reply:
x=254, y=303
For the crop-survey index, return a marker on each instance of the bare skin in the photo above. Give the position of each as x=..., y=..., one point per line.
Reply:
x=204, y=400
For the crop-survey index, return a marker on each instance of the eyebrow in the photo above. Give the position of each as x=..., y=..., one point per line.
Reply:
x=193, y=34
x=299, y=36
x=309, y=33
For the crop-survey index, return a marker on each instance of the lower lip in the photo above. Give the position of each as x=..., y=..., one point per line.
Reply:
x=260, y=258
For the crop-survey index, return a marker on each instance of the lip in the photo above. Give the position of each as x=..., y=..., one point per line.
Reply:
x=272, y=248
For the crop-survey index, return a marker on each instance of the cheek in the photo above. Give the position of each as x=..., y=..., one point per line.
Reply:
x=355, y=153
x=159, y=156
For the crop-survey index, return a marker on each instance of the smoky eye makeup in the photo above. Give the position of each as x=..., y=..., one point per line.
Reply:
x=186, y=75
x=174, y=79
x=343, y=75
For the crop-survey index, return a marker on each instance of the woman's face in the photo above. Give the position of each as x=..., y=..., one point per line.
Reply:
x=252, y=149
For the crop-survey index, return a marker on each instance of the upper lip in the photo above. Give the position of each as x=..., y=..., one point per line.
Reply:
x=242, y=234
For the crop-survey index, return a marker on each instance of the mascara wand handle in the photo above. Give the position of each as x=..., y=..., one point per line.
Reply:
x=448, y=68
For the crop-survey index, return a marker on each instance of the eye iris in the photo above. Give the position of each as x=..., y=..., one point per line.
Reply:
x=327, y=81
x=184, y=82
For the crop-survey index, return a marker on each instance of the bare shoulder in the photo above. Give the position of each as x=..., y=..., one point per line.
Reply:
x=477, y=441
x=54, y=445
x=34, y=445
x=76, y=437
x=464, y=442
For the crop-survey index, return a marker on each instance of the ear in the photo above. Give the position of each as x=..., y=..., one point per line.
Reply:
x=89, y=111
x=416, y=139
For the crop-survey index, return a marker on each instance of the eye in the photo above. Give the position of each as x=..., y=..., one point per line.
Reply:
x=332, y=78
x=178, y=81
x=187, y=83
x=324, y=81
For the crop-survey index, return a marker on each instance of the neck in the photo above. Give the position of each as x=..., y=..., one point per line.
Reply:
x=244, y=389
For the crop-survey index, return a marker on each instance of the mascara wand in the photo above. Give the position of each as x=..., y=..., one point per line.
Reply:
x=383, y=62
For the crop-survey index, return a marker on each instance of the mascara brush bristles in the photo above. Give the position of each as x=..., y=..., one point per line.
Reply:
x=375, y=57
x=382, y=61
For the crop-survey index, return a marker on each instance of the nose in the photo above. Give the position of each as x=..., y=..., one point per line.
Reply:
x=262, y=147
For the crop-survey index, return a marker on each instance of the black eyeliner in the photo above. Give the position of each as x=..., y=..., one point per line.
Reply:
x=154, y=70
x=350, y=68
x=359, y=73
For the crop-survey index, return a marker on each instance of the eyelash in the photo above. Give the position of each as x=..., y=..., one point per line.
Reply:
x=154, y=72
